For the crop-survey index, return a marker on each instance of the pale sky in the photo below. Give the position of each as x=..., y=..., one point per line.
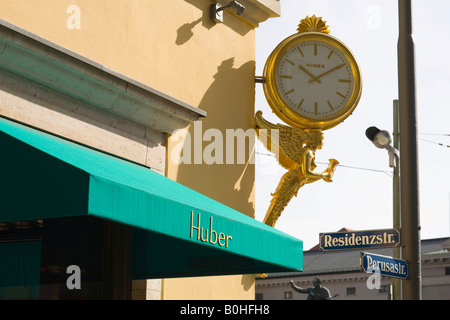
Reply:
x=357, y=198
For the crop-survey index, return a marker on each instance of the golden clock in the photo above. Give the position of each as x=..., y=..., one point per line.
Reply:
x=312, y=79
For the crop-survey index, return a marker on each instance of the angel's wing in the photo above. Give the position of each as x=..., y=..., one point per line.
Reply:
x=284, y=141
x=287, y=188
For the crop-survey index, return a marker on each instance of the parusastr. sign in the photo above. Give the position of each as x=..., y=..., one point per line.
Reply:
x=385, y=238
x=383, y=265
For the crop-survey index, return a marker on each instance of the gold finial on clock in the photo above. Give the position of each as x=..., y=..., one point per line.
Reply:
x=313, y=24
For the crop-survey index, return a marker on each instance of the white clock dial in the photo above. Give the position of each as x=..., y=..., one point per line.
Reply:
x=315, y=79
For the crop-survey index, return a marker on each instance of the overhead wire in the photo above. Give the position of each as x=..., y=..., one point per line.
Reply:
x=436, y=134
x=389, y=173
x=434, y=142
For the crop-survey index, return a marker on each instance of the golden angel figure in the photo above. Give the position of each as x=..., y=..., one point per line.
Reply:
x=295, y=151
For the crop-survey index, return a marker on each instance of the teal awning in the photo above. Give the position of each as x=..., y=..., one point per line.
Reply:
x=178, y=232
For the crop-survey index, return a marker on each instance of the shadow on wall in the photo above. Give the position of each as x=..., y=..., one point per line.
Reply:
x=229, y=103
x=186, y=31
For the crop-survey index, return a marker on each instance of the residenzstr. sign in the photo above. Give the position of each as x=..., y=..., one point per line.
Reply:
x=385, y=238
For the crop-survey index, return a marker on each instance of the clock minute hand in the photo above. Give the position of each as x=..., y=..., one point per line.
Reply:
x=327, y=72
x=313, y=77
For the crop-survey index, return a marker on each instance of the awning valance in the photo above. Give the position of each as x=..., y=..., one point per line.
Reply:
x=178, y=232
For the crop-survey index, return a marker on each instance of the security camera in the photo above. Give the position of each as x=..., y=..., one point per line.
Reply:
x=216, y=9
x=237, y=7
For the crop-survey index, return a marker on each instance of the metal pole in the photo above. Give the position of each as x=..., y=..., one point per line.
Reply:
x=410, y=232
x=396, y=283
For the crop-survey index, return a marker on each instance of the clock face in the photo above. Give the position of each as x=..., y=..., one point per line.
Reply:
x=315, y=82
x=314, y=79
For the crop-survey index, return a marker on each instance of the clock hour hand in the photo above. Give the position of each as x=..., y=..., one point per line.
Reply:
x=327, y=72
x=313, y=77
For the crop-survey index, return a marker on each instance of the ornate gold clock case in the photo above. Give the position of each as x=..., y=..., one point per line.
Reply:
x=312, y=80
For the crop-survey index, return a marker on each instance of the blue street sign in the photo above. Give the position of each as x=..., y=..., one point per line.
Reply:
x=386, y=266
x=385, y=238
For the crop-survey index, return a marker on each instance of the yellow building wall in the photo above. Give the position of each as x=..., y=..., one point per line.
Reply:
x=172, y=46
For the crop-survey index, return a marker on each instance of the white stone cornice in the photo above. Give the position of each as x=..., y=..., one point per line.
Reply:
x=41, y=61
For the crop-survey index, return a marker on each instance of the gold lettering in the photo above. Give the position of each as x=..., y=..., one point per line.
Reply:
x=327, y=240
x=334, y=241
x=192, y=225
x=212, y=232
x=208, y=235
x=379, y=239
x=221, y=238
x=228, y=238
x=390, y=238
x=365, y=240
